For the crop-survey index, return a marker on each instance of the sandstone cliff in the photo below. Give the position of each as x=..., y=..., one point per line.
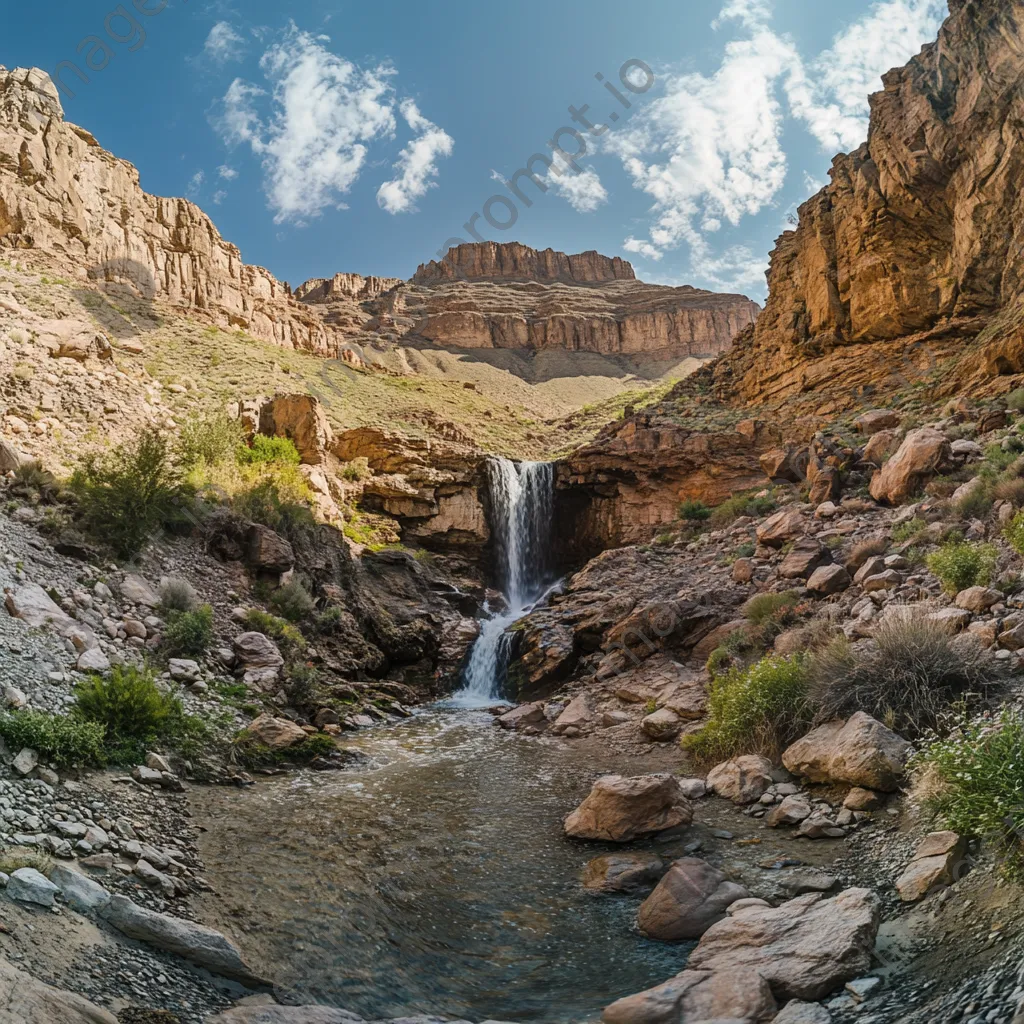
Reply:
x=512, y=261
x=484, y=297
x=344, y=286
x=65, y=196
x=919, y=237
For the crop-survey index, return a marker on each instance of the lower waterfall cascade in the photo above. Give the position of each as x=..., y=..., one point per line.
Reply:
x=521, y=507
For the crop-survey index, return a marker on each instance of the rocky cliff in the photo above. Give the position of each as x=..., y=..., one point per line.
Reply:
x=508, y=296
x=344, y=286
x=61, y=194
x=512, y=261
x=919, y=237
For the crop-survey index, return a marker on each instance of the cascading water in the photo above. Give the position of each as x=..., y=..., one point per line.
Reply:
x=522, y=504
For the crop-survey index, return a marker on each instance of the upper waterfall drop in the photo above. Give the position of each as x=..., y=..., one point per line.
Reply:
x=521, y=512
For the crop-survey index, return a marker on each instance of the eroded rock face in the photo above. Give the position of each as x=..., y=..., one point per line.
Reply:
x=61, y=192
x=804, y=949
x=918, y=233
x=923, y=453
x=618, y=809
x=514, y=261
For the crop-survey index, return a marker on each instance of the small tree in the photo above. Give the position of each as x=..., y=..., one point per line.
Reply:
x=130, y=492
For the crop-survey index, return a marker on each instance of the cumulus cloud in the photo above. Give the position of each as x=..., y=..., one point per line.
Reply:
x=582, y=190
x=708, y=148
x=223, y=44
x=325, y=112
x=416, y=164
x=227, y=172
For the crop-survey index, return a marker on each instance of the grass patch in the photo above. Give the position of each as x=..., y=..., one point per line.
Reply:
x=62, y=740
x=762, y=608
x=759, y=710
x=749, y=504
x=287, y=636
x=694, y=511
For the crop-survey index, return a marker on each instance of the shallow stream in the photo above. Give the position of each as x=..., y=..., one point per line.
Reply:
x=434, y=877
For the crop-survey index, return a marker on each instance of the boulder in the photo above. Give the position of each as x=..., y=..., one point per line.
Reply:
x=804, y=948
x=796, y=1011
x=874, y=420
x=285, y=1015
x=859, y=799
x=256, y=651
x=978, y=599
x=201, y=946
x=10, y=457
x=789, y=464
x=184, y=670
x=687, y=901
x=781, y=527
x=522, y=716
x=93, y=660
x=791, y=811
x=954, y=619
x=712, y=997
x=24, y=1000
x=29, y=886
x=25, y=761
x=938, y=862
x=136, y=590
x=743, y=780
x=662, y=725
x=804, y=557
x=302, y=419
x=860, y=752
x=879, y=446
x=276, y=733
x=80, y=893
x=267, y=551
x=618, y=809
x=924, y=453
x=623, y=872
x=35, y=608
x=828, y=580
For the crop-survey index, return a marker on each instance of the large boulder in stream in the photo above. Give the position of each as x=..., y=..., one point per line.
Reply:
x=618, y=809
x=691, y=897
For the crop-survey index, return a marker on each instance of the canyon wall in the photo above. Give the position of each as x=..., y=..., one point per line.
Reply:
x=62, y=194
x=921, y=229
x=512, y=261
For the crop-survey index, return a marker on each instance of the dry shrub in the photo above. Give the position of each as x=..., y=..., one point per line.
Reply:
x=909, y=674
x=871, y=547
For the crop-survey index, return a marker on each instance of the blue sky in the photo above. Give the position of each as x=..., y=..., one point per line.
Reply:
x=327, y=135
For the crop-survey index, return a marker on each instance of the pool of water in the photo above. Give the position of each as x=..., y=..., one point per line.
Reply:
x=434, y=877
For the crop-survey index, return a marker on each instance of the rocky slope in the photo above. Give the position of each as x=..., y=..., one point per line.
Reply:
x=914, y=246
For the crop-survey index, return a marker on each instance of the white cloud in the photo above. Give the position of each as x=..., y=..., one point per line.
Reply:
x=707, y=149
x=416, y=164
x=219, y=196
x=227, y=173
x=223, y=44
x=325, y=113
x=583, y=190
x=195, y=183
x=750, y=13
x=833, y=96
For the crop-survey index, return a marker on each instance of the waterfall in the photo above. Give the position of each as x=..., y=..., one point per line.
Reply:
x=521, y=512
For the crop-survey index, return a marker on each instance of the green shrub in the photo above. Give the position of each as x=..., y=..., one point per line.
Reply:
x=908, y=677
x=1014, y=532
x=759, y=710
x=960, y=564
x=746, y=550
x=908, y=530
x=763, y=607
x=126, y=495
x=292, y=601
x=59, y=739
x=269, y=449
x=207, y=440
x=177, y=595
x=288, y=638
x=188, y=634
x=749, y=504
x=356, y=470
x=694, y=511
x=278, y=502
x=127, y=703
x=974, y=781
x=999, y=458
x=977, y=503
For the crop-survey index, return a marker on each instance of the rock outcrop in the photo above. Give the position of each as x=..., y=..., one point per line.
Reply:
x=915, y=245
x=513, y=261
x=62, y=193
